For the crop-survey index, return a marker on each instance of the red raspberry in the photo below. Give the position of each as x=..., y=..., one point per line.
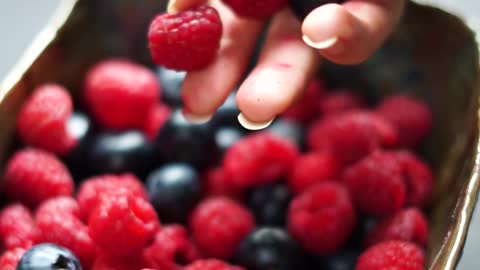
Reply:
x=311, y=169
x=64, y=228
x=17, y=228
x=418, y=179
x=156, y=118
x=120, y=94
x=42, y=121
x=218, y=226
x=211, y=264
x=103, y=262
x=256, y=9
x=92, y=189
x=11, y=258
x=322, y=218
x=33, y=176
x=186, y=41
x=407, y=225
x=376, y=184
x=410, y=116
x=259, y=159
x=123, y=224
x=398, y=255
x=216, y=183
x=340, y=101
x=351, y=136
x=171, y=249
x=305, y=109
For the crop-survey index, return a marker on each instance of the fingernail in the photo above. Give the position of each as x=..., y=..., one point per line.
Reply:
x=171, y=8
x=322, y=45
x=248, y=124
x=196, y=118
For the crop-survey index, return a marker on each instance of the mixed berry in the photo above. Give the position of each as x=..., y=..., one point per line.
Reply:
x=122, y=181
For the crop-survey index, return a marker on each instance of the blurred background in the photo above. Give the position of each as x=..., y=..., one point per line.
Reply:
x=20, y=21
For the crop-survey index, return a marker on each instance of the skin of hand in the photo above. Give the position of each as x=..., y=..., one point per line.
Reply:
x=345, y=34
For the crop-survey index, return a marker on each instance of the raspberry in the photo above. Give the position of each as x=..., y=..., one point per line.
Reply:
x=64, y=228
x=120, y=94
x=418, y=179
x=156, y=118
x=310, y=169
x=17, y=228
x=398, y=255
x=305, y=109
x=218, y=226
x=123, y=224
x=171, y=249
x=10, y=258
x=211, y=264
x=376, y=183
x=216, y=184
x=411, y=117
x=407, y=225
x=42, y=121
x=259, y=159
x=351, y=136
x=91, y=191
x=186, y=41
x=256, y=9
x=103, y=262
x=33, y=176
x=322, y=218
x=340, y=101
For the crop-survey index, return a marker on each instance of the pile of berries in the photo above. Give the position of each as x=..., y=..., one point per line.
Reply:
x=122, y=181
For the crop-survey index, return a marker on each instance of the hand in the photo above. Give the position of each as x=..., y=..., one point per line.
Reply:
x=344, y=34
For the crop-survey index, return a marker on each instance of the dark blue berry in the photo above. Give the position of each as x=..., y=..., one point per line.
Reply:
x=174, y=189
x=341, y=260
x=181, y=141
x=227, y=114
x=302, y=8
x=119, y=152
x=225, y=137
x=48, y=257
x=288, y=130
x=171, y=83
x=270, y=248
x=269, y=204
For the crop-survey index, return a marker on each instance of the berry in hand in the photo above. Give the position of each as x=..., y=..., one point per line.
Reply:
x=270, y=248
x=48, y=256
x=269, y=204
x=174, y=189
x=185, y=41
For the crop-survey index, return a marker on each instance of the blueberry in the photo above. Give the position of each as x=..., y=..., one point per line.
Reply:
x=270, y=248
x=174, y=189
x=181, y=141
x=227, y=114
x=302, y=8
x=341, y=260
x=119, y=152
x=225, y=137
x=288, y=130
x=171, y=83
x=48, y=257
x=269, y=204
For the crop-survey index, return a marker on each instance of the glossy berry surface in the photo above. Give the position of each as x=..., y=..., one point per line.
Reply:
x=270, y=248
x=226, y=137
x=80, y=127
x=119, y=152
x=302, y=8
x=48, y=256
x=174, y=189
x=185, y=41
x=269, y=204
x=181, y=141
x=171, y=82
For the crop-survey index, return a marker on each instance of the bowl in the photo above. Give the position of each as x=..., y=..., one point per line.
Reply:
x=432, y=55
